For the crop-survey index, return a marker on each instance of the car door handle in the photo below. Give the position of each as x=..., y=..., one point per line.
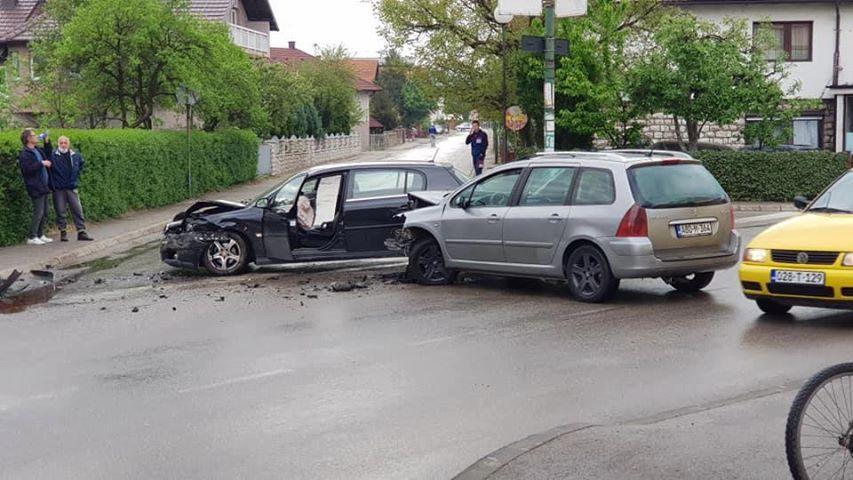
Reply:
x=555, y=218
x=493, y=218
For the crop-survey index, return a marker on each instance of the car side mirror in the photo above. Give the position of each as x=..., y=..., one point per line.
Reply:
x=262, y=203
x=801, y=202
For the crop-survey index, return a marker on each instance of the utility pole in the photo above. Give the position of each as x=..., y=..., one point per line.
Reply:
x=505, y=147
x=548, y=6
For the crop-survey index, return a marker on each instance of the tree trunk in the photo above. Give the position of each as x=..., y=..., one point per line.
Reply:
x=678, y=132
x=692, y=135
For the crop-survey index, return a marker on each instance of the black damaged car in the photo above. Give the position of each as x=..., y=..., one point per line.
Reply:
x=333, y=212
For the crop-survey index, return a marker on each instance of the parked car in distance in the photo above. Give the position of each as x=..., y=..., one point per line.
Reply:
x=589, y=218
x=806, y=260
x=463, y=127
x=331, y=212
x=674, y=146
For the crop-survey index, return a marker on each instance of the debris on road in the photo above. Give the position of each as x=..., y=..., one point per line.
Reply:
x=16, y=293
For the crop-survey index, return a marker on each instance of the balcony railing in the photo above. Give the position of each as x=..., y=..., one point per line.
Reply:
x=253, y=41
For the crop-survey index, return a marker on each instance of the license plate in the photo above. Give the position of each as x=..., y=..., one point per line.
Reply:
x=685, y=230
x=791, y=276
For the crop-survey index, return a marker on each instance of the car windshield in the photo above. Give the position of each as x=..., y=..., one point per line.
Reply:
x=836, y=199
x=675, y=185
x=286, y=191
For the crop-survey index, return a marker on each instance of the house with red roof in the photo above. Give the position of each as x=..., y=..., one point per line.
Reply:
x=249, y=22
x=366, y=70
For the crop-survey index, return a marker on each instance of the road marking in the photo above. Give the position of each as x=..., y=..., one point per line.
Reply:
x=9, y=402
x=232, y=381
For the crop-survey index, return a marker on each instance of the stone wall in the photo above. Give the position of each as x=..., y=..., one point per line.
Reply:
x=290, y=155
x=659, y=128
x=392, y=138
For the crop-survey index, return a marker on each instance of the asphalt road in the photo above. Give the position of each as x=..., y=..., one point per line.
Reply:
x=271, y=375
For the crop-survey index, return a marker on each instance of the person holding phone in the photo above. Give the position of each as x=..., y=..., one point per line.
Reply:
x=479, y=142
x=34, y=164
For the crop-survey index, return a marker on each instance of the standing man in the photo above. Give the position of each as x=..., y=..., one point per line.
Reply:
x=432, y=133
x=66, y=170
x=479, y=142
x=34, y=168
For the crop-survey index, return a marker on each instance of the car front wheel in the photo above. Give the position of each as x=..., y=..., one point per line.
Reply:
x=226, y=256
x=589, y=275
x=690, y=283
x=426, y=264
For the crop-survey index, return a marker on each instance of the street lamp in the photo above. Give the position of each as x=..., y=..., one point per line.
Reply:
x=503, y=19
x=185, y=96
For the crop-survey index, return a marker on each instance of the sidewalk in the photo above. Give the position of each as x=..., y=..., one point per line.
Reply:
x=764, y=207
x=743, y=438
x=142, y=226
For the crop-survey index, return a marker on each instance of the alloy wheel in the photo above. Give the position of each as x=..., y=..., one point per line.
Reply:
x=224, y=256
x=587, y=274
x=431, y=264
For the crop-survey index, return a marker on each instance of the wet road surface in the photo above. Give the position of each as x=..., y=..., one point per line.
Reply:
x=138, y=371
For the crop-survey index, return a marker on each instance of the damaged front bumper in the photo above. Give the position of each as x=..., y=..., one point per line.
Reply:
x=184, y=249
x=400, y=241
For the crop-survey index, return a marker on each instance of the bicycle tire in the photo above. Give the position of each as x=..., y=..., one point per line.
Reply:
x=842, y=417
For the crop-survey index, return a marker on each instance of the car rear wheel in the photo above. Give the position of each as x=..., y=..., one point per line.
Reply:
x=589, y=275
x=426, y=264
x=690, y=283
x=226, y=256
x=772, y=307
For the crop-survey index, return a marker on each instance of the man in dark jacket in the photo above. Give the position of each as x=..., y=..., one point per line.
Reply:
x=479, y=142
x=34, y=168
x=65, y=175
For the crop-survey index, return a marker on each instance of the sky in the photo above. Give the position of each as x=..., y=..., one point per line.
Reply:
x=350, y=23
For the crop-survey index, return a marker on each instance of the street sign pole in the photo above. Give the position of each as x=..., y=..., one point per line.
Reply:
x=548, y=6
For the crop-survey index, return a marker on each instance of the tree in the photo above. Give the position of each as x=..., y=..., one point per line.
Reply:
x=594, y=76
x=288, y=99
x=106, y=61
x=700, y=72
x=334, y=91
x=458, y=42
x=416, y=104
x=227, y=82
x=387, y=104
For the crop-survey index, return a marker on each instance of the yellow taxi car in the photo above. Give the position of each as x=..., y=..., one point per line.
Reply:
x=806, y=260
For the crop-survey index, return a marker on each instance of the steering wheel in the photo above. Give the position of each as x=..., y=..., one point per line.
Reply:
x=499, y=199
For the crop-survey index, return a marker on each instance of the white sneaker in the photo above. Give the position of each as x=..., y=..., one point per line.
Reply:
x=34, y=241
x=45, y=239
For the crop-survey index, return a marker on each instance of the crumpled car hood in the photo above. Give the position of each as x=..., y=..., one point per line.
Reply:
x=429, y=197
x=209, y=207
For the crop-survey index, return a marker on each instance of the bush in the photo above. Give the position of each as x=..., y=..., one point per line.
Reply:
x=773, y=176
x=130, y=169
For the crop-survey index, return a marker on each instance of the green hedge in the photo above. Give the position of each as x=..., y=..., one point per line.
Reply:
x=773, y=176
x=130, y=169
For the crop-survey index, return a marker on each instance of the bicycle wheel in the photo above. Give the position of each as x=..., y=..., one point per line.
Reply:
x=819, y=433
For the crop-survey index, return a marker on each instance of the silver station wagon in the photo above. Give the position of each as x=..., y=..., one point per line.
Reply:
x=591, y=219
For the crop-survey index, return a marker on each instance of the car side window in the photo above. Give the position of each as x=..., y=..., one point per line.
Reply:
x=415, y=181
x=385, y=183
x=495, y=191
x=462, y=197
x=595, y=187
x=547, y=186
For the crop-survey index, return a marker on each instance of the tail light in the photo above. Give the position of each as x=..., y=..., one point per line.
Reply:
x=635, y=223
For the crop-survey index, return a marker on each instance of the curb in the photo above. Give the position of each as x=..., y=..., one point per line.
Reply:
x=763, y=220
x=69, y=258
x=491, y=463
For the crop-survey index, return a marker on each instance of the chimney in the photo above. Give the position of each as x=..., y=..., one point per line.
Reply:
x=291, y=45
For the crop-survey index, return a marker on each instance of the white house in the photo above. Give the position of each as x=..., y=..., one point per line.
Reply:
x=816, y=39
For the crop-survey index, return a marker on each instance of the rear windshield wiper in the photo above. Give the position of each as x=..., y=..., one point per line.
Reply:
x=689, y=202
x=829, y=210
